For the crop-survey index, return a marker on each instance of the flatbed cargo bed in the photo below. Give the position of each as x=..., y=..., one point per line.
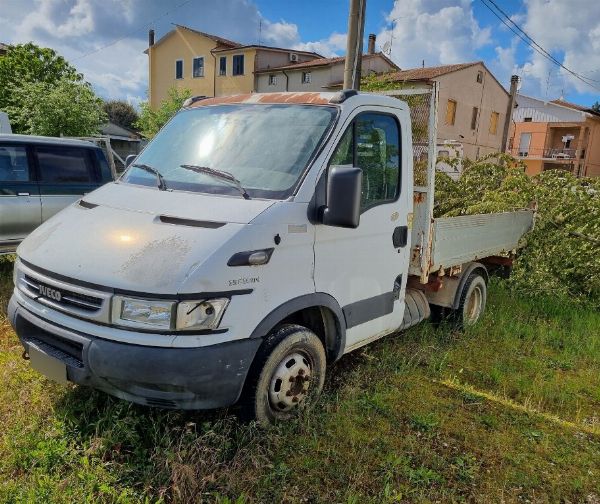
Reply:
x=457, y=240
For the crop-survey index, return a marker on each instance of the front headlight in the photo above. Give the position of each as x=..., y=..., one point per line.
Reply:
x=201, y=314
x=168, y=315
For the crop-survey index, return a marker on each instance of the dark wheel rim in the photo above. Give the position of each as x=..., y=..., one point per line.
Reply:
x=290, y=382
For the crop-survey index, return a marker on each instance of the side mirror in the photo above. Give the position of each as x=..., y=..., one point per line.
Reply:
x=344, y=185
x=130, y=159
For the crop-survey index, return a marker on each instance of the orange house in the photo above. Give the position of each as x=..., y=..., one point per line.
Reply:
x=555, y=134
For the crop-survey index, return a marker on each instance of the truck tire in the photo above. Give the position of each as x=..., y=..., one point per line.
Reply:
x=288, y=372
x=472, y=301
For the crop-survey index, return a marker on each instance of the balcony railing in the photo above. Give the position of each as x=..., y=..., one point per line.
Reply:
x=549, y=153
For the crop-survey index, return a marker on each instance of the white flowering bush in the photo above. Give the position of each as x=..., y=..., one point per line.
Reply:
x=562, y=253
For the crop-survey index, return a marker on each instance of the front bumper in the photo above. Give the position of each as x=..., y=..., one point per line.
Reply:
x=182, y=378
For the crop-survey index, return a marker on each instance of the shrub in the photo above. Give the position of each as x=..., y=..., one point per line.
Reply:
x=561, y=254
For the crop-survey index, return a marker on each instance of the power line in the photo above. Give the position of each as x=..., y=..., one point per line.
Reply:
x=538, y=46
x=116, y=41
x=532, y=43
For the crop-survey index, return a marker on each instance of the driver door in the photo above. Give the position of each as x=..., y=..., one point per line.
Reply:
x=365, y=268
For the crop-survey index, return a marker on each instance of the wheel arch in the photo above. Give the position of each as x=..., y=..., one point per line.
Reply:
x=319, y=312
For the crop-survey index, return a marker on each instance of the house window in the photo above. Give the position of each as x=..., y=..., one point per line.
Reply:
x=527, y=119
x=372, y=142
x=238, y=64
x=179, y=69
x=480, y=76
x=474, y=118
x=198, y=67
x=272, y=80
x=494, y=122
x=450, y=112
x=223, y=65
x=305, y=77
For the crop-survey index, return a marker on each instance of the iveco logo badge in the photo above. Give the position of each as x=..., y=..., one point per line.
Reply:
x=50, y=293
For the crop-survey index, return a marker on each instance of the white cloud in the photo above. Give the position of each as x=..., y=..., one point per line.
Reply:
x=284, y=34
x=334, y=45
x=280, y=33
x=572, y=34
x=437, y=31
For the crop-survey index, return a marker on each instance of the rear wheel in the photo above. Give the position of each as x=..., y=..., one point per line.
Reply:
x=472, y=301
x=289, y=371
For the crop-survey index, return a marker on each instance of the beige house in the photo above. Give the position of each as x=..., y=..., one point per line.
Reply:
x=323, y=74
x=209, y=65
x=472, y=104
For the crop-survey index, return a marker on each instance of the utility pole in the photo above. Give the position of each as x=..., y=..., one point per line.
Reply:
x=514, y=81
x=354, y=44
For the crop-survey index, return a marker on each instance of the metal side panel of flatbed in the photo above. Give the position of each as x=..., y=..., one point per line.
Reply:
x=457, y=240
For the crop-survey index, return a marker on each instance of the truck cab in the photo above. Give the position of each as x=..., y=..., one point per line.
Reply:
x=256, y=240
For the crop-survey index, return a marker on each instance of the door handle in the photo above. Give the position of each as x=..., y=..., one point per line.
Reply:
x=23, y=194
x=400, y=236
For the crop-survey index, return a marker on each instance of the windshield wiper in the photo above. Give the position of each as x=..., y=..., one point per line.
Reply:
x=162, y=185
x=218, y=174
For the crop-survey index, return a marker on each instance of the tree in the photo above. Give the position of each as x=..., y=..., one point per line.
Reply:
x=44, y=94
x=63, y=108
x=151, y=120
x=596, y=107
x=120, y=112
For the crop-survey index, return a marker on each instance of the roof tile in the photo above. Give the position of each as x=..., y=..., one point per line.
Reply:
x=427, y=73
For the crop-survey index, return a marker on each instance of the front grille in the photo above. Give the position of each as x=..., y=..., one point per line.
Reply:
x=68, y=298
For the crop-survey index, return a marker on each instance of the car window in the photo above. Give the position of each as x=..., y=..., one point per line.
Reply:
x=13, y=164
x=64, y=165
x=372, y=143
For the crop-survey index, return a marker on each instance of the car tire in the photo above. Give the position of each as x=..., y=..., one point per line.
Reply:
x=287, y=374
x=472, y=302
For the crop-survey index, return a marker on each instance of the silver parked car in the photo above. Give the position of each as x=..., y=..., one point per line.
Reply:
x=40, y=176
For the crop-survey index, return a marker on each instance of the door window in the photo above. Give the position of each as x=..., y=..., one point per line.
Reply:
x=64, y=165
x=13, y=164
x=372, y=143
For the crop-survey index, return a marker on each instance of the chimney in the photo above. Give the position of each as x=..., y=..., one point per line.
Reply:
x=150, y=38
x=514, y=82
x=372, y=38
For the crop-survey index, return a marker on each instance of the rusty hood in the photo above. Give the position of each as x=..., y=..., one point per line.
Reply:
x=137, y=238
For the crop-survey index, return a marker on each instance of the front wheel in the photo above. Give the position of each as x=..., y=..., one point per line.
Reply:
x=288, y=372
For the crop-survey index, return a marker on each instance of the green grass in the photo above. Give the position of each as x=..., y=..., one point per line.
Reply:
x=508, y=411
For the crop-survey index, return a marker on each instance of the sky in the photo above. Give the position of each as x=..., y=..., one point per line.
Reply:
x=105, y=39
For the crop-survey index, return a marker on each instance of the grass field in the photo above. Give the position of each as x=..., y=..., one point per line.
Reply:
x=508, y=411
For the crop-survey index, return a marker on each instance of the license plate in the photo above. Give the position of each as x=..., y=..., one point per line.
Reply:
x=47, y=365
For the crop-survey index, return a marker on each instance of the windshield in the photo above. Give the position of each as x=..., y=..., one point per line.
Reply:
x=265, y=147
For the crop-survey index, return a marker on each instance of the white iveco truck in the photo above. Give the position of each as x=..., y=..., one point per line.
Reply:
x=256, y=239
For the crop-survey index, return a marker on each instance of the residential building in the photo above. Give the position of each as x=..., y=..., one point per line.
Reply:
x=555, y=134
x=3, y=49
x=471, y=108
x=209, y=65
x=323, y=74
